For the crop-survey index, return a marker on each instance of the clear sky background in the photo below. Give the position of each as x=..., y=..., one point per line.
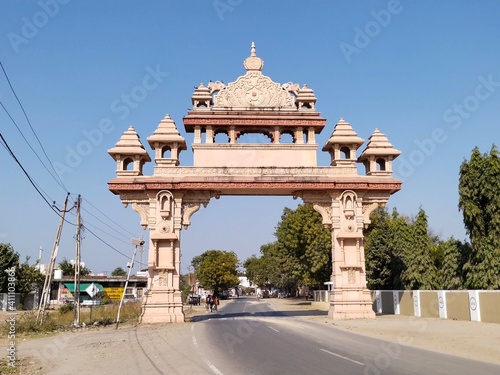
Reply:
x=426, y=73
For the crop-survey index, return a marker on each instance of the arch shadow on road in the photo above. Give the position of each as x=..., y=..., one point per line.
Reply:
x=260, y=314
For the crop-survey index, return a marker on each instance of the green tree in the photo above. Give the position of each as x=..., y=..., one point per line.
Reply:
x=118, y=271
x=304, y=245
x=455, y=254
x=420, y=272
x=69, y=269
x=479, y=201
x=8, y=259
x=216, y=269
x=378, y=250
x=29, y=279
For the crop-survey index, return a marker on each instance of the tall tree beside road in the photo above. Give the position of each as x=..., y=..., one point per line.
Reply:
x=455, y=255
x=420, y=270
x=216, y=269
x=379, y=238
x=479, y=201
x=399, y=252
x=8, y=259
x=306, y=244
x=300, y=256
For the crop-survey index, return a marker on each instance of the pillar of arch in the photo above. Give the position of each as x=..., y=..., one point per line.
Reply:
x=253, y=103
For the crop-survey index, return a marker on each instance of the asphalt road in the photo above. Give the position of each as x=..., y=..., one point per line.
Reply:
x=247, y=337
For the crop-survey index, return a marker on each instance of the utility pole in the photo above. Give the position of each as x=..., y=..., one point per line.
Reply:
x=76, y=307
x=137, y=243
x=45, y=296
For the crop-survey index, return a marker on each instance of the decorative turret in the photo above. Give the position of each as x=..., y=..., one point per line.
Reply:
x=305, y=99
x=167, y=138
x=129, y=151
x=343, y=144
x=202, y=98
x=378, y=155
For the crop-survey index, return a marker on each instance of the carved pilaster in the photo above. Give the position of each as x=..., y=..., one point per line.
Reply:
x=321, y=201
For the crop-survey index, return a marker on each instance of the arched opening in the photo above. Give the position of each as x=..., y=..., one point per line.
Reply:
x=345, y=152
x=128, y=164
x=287, y=136
x=255, y=137
x=380, y=164
x=221, y=136
x=166, y=152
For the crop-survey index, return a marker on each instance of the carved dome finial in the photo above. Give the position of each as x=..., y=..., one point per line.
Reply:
x=253, y=63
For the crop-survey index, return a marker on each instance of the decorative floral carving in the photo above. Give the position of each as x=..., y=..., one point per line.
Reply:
x=254, y=90
x=163, y=278
x=351, y=276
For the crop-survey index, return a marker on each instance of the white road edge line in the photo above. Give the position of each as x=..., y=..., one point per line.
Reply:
x=207, y=362
x=274, y=329
x=341, y=356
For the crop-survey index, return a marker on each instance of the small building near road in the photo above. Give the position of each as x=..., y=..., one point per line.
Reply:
x=110, y=289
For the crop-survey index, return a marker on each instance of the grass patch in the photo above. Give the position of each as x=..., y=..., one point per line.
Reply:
x=62, y=319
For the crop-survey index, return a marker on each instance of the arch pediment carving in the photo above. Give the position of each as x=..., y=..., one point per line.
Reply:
x=254, y=90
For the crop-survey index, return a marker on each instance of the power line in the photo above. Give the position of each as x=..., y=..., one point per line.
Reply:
x=33, y=130
x=26, y=173
x=103, y=214
x=29, y=145
x=111, y=247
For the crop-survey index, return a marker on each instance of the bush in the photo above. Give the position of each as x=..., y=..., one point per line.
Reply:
x=66, y=307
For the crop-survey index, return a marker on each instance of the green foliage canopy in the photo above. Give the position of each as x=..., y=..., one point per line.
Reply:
x=479, y=201
x=216, y=269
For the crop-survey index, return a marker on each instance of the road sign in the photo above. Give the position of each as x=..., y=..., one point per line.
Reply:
x=92, y=290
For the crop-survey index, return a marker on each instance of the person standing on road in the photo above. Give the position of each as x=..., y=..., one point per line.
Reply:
x=208, y=303
x=216, y=303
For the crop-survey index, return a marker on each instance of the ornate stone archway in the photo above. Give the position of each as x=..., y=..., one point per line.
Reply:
x=254, y=103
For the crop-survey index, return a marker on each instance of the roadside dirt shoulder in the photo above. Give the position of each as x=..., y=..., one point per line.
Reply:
x=472, y=340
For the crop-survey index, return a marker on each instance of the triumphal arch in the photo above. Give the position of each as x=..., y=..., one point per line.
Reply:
x=253, y=103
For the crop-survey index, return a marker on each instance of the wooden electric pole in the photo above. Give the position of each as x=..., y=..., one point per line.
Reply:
x=49, y=272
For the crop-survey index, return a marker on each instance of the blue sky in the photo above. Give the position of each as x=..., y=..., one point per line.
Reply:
x=426, y=73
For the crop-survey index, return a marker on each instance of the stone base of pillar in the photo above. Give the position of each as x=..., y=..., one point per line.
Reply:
x=161, y=314
x=350, y=304
x=155, y=310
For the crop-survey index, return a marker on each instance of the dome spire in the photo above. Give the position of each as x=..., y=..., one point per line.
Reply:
x=253, y=52
x=253, y=62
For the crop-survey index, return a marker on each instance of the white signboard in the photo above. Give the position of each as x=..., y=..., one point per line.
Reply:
x=92, y=290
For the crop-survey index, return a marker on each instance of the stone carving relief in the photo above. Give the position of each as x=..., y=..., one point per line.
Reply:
x=162, y=278
x=367, y=210
x=192, y=201
x=351, y=276
x=348, y=205
x=321, y=202
x=254, y=90
x=142, y=209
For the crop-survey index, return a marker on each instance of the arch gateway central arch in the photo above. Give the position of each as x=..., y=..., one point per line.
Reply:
x=254, y=103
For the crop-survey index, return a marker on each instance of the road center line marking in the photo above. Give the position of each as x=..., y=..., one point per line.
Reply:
x=274, y=329
x=341, y=356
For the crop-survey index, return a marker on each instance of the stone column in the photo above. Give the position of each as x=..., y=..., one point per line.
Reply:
x=163, y=301
x=342, y=212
